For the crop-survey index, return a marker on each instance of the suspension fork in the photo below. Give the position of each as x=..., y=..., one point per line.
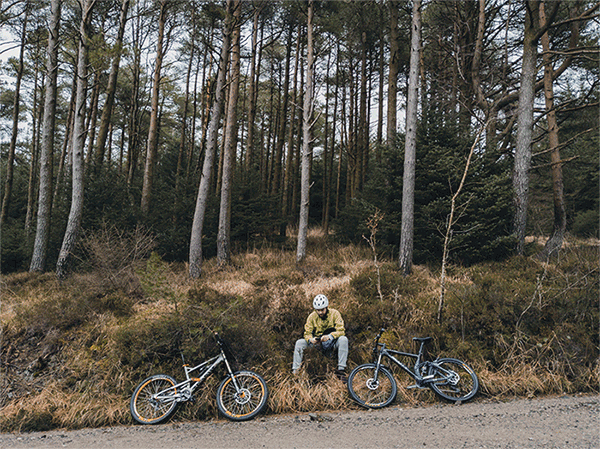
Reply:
x=230, y=371
x=378, y=364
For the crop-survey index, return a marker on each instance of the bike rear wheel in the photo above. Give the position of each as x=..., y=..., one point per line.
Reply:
x=153, y=400
x=453, y=380
x=246, y=400
x=369, y=392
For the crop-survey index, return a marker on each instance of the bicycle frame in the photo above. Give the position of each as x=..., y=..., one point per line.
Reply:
x=414, y=372
x=188, y=386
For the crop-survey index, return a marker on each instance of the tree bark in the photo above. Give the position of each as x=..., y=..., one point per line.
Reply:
x=394, y=65
x=289, y=175
x=10, y=160
x=40, y=245
x=79, y=134
x=223, y=235
x=522, y=161
x=36, y=119
x=554, y=243
x=184, y=119
x=381, y=84
x=134, y=109
x=152, y=148
x=278, y=156
x=111, y=88
x=195, y=257
x=251, y=163
x=307, y=124
x=408, y=182
x=362, y=153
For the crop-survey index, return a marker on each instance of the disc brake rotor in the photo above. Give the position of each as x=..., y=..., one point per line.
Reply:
x=243, y=396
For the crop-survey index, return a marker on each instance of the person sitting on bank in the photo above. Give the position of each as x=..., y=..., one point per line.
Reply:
x=324, y=329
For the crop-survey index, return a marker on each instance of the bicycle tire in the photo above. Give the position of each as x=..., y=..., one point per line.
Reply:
x=368, y=393
x=461, y=386
x=246, y=403
x=145, y=408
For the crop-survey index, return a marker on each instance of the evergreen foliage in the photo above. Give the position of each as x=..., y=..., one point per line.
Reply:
x=482, y=231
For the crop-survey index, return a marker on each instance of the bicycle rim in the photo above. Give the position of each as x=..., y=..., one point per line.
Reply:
x=245, y=403
x=367, y=391
x=453, y=380
x=147, y=407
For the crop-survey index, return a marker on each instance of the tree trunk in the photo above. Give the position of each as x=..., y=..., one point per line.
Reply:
x=111, y=88
x=223, y=235
x=326, y=151
x=289, y=176
x=79, y=134
x=36, y=119
x=307, y=124
x=278, y=156
x=152, y=148
x=251, y=163
x=554, y=243
x=381, y=84
x=68, y=140
x=362, y=153
x=183, y=137
x=134, y=109
x=42, y=233
x=92, y=118
x=393, y=72
x=15, y=126
x=410, y=152
x=522, y=160
x=195, y=262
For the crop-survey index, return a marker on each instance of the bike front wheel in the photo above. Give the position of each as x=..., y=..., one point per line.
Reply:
x=453, y=380
x=243, y=398
x=372, y=387
x=154, y=400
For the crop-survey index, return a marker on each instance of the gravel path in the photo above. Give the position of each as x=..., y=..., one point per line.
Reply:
x=553, y=422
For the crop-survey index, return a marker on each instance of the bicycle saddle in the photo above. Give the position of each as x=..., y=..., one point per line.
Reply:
x=422, y=339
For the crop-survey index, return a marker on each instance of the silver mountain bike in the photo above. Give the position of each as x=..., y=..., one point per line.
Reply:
x=241, y=395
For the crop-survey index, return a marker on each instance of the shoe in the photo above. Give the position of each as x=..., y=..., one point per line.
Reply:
x=341, y=375
x=295, y=372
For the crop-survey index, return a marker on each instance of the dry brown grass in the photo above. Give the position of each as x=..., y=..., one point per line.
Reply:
x=72, y=353
x=294, y=394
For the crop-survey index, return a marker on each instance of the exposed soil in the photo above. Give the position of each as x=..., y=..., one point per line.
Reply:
x=551, y=422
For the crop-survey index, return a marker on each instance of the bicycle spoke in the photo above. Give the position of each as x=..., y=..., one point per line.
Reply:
x=150, y=407
x=369, y=391
x=453, y=380
x=246, y=400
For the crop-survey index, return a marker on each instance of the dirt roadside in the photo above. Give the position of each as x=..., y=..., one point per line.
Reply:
x=552, y=422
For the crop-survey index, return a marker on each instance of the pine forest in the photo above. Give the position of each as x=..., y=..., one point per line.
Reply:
x=214, y=125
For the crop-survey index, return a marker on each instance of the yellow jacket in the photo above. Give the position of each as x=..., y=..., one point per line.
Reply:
x=316, y=326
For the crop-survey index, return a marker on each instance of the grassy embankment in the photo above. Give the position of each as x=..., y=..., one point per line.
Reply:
x=72, y=353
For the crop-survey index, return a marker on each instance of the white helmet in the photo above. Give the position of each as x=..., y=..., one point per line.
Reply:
x=320, y=302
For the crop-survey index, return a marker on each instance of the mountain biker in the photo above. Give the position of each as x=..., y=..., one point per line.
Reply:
x=324, y=329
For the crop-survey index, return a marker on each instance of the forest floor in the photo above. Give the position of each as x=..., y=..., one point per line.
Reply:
x=571, y=421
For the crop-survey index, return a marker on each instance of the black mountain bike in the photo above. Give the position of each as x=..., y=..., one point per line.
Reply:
x=241, y=395
x=373, y=385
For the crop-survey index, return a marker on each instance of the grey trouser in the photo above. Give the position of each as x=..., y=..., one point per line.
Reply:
x=340, y=345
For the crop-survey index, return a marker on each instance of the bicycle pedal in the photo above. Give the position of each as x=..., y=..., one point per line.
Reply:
x=410, y=387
